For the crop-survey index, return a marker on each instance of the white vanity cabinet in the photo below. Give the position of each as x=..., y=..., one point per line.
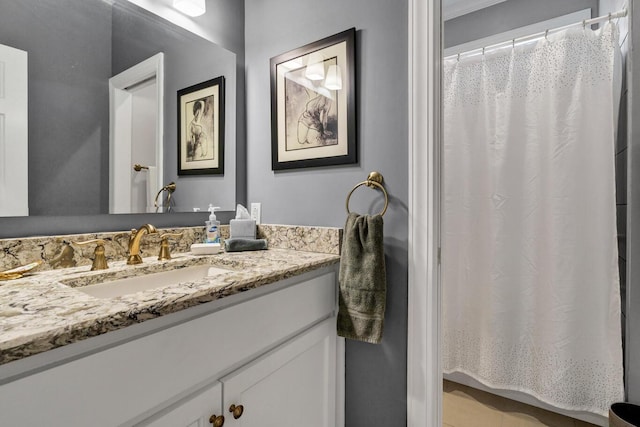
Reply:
x=272, y=350
x=292, y=386
x=197, y=411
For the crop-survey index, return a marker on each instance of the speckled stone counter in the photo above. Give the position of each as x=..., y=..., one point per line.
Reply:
x=43, y=311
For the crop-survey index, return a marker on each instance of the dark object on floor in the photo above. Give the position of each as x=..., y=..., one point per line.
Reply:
x=624, y=415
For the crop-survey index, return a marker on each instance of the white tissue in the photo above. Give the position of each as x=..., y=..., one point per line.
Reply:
x=242, y=212
x=242, y=226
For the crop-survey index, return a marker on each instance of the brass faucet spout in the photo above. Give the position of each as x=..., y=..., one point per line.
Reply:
x=134, y=243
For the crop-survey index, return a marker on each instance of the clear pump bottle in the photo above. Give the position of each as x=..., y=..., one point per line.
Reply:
x=213, y=226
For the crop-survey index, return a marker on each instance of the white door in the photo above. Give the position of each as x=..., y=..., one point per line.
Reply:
x=194, y=412
x=14, y=200
x=136, y=111
x=144, y=100
x=291, y=386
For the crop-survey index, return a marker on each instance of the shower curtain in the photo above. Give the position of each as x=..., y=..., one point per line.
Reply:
x=531, y=298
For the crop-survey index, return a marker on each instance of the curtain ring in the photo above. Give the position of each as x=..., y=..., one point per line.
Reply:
x=458, y=57
x=513, y=43
x=483, y=51
x=609, y=16
x=546, y=33
x=584, y=24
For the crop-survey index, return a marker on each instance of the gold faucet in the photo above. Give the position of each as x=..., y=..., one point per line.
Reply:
x=134, y=243
x=99, y=260
x=165, y=253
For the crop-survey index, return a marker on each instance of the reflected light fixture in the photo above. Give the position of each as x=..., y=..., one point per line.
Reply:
x=334, y=78
x=293, y=64
x=190, y=7
x=315, y=67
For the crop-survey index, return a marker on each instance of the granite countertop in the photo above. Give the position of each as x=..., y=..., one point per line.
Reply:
x=43, y=311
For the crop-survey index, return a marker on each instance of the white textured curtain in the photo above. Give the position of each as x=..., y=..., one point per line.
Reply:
x=531, y=298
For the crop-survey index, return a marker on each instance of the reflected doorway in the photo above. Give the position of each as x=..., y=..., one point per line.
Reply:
x=136, y=138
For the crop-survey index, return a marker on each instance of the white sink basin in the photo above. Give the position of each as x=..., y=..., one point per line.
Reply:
x=120, y=287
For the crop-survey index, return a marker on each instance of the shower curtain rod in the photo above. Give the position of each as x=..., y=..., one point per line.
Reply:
x=481, y=50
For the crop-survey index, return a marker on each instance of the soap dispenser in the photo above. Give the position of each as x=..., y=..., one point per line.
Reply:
x=213, y=226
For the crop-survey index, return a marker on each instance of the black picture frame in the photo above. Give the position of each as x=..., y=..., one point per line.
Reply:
x=201, y=116
x=313, y=118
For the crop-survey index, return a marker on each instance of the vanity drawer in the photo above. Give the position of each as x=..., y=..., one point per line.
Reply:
x=125, y=383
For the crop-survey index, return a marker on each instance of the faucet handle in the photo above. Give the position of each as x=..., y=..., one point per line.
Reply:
x=165, y=254
x=116, y=236
x=99, y=260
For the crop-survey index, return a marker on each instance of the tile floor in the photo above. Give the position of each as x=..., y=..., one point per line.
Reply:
x=467, y=407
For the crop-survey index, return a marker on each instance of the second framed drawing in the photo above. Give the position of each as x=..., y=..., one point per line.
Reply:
x=313, y=104
x=201, y=128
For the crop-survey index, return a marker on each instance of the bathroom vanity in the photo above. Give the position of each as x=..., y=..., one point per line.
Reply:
x=253, y=343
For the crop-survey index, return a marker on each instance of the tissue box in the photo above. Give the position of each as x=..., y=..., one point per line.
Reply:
x=242, y=228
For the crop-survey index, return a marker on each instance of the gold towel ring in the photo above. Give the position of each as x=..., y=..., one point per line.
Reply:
x=170, y=188
x=373, y=180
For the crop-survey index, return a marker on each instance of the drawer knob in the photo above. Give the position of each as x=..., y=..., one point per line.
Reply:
x=216, y=420
x=236, y=411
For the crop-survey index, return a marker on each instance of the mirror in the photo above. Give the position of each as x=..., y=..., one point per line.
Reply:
x=73, y=48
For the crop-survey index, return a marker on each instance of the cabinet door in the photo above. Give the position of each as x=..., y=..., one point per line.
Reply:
x=291, y=386
x=194, y=412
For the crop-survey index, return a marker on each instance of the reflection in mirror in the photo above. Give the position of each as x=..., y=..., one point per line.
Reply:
x=531, y=135
x=136, y=124
x=73, y=48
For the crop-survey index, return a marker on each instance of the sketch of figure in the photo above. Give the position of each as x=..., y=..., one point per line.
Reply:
x=198, y=136
x=200, y=131
x=310, y=112
x=312, y=124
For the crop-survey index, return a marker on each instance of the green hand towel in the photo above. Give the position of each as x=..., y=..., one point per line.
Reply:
x=239, y=244
x=363, y=282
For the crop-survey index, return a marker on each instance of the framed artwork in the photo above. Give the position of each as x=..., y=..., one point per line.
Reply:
x=313, y=104
x=201, y=128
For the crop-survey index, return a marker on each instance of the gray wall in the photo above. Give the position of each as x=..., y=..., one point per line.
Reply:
x=507, y=16
x=224, y=22
x=189, y=60
x=376, y=374
x=68, y=42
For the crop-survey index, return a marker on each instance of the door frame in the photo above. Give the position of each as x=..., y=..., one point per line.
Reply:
x=14, y=132
x=120, y=100
x=424, y=372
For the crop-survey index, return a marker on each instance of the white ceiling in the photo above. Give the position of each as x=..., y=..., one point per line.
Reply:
x=454, y=8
